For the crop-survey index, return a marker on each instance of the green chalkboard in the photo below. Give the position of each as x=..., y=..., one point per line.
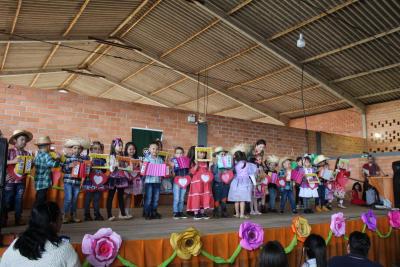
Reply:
x=143, y=137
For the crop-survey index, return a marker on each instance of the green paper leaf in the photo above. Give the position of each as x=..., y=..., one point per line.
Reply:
x=364, y=228
x=328, y=239
x=86, y=264
x=168, y=261
x=125, y=262
x=346, y=237
x=388, y=234
x=292, y=245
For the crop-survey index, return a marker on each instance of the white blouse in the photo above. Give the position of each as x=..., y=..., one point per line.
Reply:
x=62, y=256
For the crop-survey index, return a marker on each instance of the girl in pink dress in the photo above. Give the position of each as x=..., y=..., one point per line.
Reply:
x=200, y=193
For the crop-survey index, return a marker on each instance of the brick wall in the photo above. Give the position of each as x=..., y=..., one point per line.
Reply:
x=344, y=122
x=63, y=116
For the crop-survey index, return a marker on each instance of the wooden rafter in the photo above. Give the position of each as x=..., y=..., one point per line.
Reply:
x=30, y=72
x=66, y=32
x=348, y=46
x=50, y=39
x=311, y=20
x=397, y=90
x=14, y=24
x=239, y=6
x=313, y=107
x=252, y=35
x=264, y=76
x=87, y=62
x=365, y=73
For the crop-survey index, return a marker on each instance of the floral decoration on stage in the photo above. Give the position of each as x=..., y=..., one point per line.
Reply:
x=394, y=218
x=251, y=234
x=338, y=224
x=187, y=243
x=301, y=228
x=369, y=219
x=102, y=248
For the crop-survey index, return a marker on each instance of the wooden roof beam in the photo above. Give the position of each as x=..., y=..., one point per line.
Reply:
x=66, y=32
x=313, y=107
x=365, y=73
x=14, y=24
x=30, y=72
x=311, y=20
x=351, y=45
x=281, y=54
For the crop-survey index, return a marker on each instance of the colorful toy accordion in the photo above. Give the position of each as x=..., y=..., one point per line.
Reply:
x=106, y=157
x=81, y=169
x=181, y=162
x=153, y=169
x=24, y=165
x=297, y=175
x=273, y=177
x=224, y=162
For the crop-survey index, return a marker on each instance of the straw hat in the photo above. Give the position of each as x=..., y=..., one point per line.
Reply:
x=72, y=142
x=43, y=140
x=245, y=148
x=85, y=143
x=319, y=159
x=18, y=133
x=272, y=159
x=218, y=150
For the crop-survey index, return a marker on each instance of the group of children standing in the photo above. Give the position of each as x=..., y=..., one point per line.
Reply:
x=227, y=177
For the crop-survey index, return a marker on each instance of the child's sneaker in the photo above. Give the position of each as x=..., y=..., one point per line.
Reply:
x=341, y=206
x=183, y=215
x=125, y=217
x=324, y=208
x=197, y=217
x=112, y=218
x=75, y=219
x=88, y=218
x=66, y=219
x=176, y=216
x=156, y=215
x=318, y=209
x=98, y=218
x=205, y=216
x=253, y=212
x=281, y=211
x=294, y=211
x=258, y=213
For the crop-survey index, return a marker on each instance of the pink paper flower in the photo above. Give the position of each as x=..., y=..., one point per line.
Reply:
x=394, y=218
x=338, y=224
x=369, y=219
x=251, y=234
x=102, y=247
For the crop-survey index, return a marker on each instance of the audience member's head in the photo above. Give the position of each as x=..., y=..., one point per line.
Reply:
x=273, y=255
x=359, y=243
x=315, y=248
x=44, y=225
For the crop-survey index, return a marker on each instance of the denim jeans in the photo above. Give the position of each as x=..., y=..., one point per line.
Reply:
x=287, y=194
x=71, y=193
x=179, y=198
x=96, y=202
x=13, y=194
x=151, y=197
x=272, y=197
x=321, y=196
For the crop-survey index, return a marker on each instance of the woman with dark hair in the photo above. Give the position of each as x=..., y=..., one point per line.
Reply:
x=314, y=251
x=273, y=255
x=40, y=244
x=257, y=149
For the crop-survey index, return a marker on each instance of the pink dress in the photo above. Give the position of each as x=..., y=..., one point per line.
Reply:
x=200, y=192
x=340, y=183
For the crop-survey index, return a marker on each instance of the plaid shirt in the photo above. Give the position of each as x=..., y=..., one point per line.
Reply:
x=153, y=179
x=12, y=154
x=43, y=164
x=66, y=169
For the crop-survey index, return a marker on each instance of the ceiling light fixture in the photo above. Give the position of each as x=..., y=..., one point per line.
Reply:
x=63, y=90
x=301, y=43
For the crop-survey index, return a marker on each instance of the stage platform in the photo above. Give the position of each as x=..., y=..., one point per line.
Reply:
x=140, y=229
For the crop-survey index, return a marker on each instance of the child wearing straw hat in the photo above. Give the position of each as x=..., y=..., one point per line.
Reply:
x=287, y=189
x=320, y=202
x=71, y=184
x=15, y=183
x=272, y=164
x=43, y=164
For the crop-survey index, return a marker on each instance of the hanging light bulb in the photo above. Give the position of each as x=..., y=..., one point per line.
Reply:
x=301, y=43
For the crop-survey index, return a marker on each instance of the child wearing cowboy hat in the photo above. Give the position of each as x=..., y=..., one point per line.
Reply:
x=15, y=183
x=43, y=164
x=287, y=190
x=320, y=203
x=272, y=165
x=72, y=184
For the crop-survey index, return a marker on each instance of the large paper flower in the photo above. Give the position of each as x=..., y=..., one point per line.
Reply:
x=338, y=224
x=369, y=219
x=394, y=218
x=301, y=228
x=102, y=247
x=187, y=243
x=251, y=234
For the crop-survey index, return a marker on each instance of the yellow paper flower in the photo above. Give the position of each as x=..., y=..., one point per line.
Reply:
x=187, y=243
x=301, y=228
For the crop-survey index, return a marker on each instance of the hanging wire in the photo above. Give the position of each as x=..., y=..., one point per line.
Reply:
x=304, y=109
x=206, y=99
x=198, y=97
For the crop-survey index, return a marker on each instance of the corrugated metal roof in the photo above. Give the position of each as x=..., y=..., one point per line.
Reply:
x=118, y=93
